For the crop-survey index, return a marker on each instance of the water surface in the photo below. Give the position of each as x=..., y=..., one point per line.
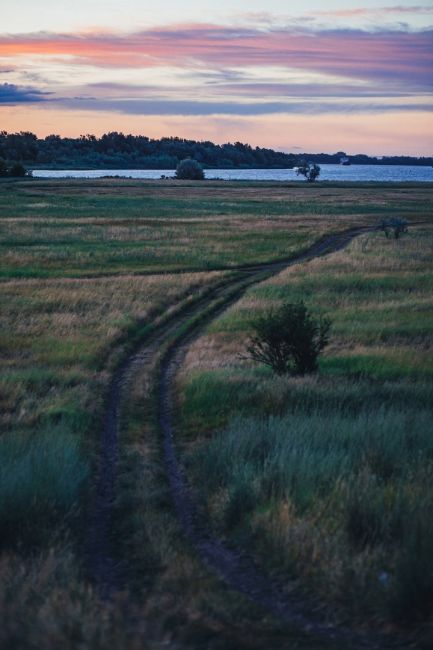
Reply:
x=378, y=173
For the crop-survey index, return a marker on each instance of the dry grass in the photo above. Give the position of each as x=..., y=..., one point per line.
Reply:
x=56, y=338
x=377, y=291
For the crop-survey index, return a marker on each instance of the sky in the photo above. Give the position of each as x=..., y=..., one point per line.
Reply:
x=313, y=76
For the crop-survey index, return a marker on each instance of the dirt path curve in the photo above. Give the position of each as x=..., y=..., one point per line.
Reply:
x=234, y=567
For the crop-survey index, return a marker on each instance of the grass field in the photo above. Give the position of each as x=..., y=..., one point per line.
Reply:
x=329, y=475
x=73, y=229
x=85, y=268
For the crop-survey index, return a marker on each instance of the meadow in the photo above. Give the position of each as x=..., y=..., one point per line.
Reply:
x=86, y=268
x=75, y=229
x=328, y=475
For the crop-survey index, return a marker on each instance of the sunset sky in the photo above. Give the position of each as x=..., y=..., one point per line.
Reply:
x=312, y=75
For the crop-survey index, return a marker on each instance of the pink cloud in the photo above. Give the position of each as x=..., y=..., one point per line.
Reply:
x=387, y=55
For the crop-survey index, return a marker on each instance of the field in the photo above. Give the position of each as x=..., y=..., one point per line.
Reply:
x=324, y=479
x=329, y=474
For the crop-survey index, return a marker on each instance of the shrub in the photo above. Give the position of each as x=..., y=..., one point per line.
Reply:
x=395, y=226
x=309, y=170
x=189, y=169
x=288, y=339
x=17, y=170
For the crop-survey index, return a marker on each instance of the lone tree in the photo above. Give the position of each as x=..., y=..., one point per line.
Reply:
x=394, y=226
x=15, y=169
x=288, y=339
x=189, y=169
x=18, y=170
x=309, y=170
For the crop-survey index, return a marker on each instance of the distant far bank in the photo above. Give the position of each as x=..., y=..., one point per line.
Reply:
x=117, y=151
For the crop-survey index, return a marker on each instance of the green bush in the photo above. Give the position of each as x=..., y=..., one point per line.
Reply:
x=394, y=226
x=41, y=478
x=189, y=169
x=309, y=170
x=288, y=339
x=17, y=170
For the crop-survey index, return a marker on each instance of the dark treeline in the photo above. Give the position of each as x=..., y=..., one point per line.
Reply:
x=363, y=159
x=116, y=150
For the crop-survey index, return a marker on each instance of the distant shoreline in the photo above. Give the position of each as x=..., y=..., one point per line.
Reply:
x=78, y=168
x=119, y=151
x=328, y=173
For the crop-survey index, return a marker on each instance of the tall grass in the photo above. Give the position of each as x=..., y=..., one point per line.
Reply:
x=300, y=457
x=42, y=477
x=329, y=475
x=212, y=397
x=362, y=481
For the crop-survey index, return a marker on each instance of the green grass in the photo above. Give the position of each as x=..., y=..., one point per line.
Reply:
x=58, y=338
x=299, y=457
x=73, y=229
x=41, y=481
x=71, y=257
x=328, y=476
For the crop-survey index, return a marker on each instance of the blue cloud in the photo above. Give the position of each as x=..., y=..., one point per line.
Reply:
x=12, y=94
x=204, y=108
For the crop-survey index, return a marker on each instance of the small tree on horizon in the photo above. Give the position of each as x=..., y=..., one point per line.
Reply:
x=309, y=170
x=395, y=226
x=288, y=339
x=189, y=169
x=14, y=170
x=17, y=170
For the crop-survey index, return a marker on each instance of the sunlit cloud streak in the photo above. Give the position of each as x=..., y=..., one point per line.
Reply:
x=183, y=107
x=243, y=89
x=403, y=56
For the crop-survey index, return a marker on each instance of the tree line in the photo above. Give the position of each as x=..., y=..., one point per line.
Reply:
x=117, y=150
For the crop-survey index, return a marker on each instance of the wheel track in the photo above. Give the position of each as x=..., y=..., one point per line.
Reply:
x=233, y=565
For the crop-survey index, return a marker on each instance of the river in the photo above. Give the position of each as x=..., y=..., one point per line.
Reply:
x=378, y=173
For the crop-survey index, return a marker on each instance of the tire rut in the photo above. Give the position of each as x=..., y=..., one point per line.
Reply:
x=234, y=566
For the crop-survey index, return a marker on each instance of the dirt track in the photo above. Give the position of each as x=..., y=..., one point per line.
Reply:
x=233, y=566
